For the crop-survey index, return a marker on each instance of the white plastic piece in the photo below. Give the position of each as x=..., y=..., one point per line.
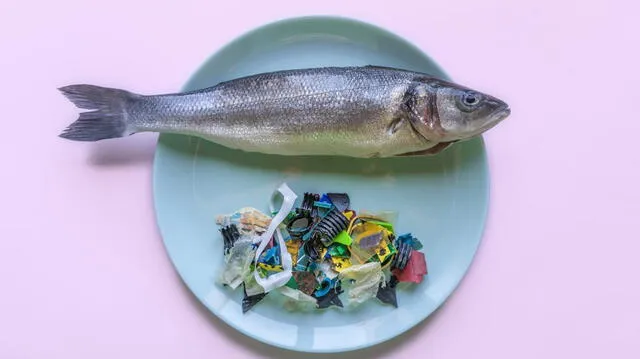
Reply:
x=368, y=277
x=277, y=279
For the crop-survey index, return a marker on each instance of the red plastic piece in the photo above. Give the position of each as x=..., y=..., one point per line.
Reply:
x=414, y=271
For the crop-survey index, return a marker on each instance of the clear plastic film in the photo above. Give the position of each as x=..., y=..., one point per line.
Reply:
x=295, y=300
x=238, y=263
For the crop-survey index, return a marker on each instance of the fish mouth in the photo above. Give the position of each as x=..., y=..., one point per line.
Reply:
x=495, y=118
x=501, y=113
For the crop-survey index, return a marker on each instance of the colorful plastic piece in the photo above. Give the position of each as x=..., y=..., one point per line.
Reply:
x=415, y=269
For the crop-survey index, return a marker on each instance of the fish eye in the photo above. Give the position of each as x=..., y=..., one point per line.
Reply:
x=470, y=99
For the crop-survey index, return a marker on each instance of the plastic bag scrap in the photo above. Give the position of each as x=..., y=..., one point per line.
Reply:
x=238, y=263
x=365, y=280
x=308, y=254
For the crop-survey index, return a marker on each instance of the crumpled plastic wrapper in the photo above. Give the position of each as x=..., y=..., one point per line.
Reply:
x=295, y=300
x=238, y=263
x=368, y=278
x=251, y=286
x=250, y=221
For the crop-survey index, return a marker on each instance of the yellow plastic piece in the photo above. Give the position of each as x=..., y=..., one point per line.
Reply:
x=382, y=251
x=340, y=264
x=270, y=268
x=349, y=214
x=293, y=247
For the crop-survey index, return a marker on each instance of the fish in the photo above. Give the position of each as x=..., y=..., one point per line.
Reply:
x=356, y=111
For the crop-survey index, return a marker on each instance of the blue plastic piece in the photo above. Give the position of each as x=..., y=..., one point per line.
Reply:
x=325, y=286
x=411, y=240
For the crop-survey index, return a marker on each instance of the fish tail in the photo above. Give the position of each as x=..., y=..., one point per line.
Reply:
x=108, y=118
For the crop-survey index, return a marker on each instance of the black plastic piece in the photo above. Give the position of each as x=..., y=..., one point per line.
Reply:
x=387, y=294
x=249, y=301
x=300, y=224
x=402, y=256
x=230, y=235
x=331, y=298
x=311, y=249
x=307, y=202
x=330, y=226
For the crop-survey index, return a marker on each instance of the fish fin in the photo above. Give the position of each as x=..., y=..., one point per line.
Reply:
x=395, y=125
x=109, y=118
x=439, y=147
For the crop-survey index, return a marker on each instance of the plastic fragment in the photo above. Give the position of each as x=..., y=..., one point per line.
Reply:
x=249, y=301
x=402, y=257
x=325, y=199
x=339, y=250
x=252, y=287
x=269, y=268
x=385, y=252
x=325, y=286
x=307, y=204
x=248, y=220
x=411, y=240
x=331, y=298
x=366, y=279
x=386, y=225
x=340, y=264
x=292, y=283
x=388, y=217
x=322, y=204
x=299, y=225
x=330, y=226
x=306, y=282
x=270, y=256
x=415, y=269
x=340, y=200
x=387, y=293
x=237, y=263
x=343, y=238
x=230, y=235
x=297, y=295
x=293, y=247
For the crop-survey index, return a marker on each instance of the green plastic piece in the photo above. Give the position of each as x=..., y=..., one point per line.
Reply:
x=386, y=225
x=322, y=204
x=392, y=249
x=292, y=283
x=339, y=251
x=343, y=238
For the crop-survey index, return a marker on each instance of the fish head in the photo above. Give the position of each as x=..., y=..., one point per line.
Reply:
x=450, y=112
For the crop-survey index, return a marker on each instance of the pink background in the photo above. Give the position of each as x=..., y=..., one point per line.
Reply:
x=84, y=273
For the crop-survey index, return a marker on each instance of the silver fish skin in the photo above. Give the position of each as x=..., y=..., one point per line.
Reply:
x=367, y=111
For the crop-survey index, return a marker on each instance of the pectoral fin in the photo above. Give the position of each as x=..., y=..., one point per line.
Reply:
x=429, y=151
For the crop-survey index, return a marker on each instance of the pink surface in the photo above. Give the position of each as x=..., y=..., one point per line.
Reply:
x=84, y=272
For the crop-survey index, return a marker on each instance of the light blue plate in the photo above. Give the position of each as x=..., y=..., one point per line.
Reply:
x=442, y=200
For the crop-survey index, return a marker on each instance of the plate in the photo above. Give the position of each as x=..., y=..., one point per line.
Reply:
x=442, y=200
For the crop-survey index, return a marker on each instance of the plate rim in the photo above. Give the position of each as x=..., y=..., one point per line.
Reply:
x=353, y=21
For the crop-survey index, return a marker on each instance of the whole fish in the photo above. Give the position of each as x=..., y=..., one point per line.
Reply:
x=367, y=111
